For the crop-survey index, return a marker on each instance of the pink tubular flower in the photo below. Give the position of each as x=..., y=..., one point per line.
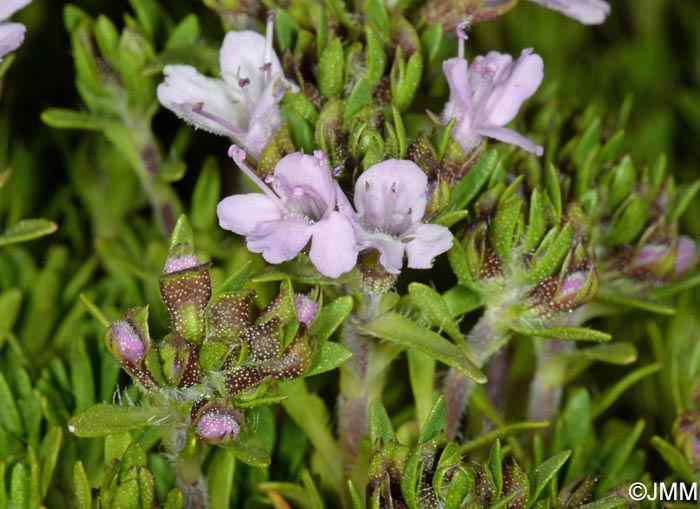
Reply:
x=390, y=199
x=588, y=12
x=11, y=34
x=244, y=105
x=300, y=207
x=488, y=95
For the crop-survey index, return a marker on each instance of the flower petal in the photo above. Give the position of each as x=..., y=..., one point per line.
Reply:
x=514, y=138
x=307, y=172
x=184, y=87
x=513, y=85
x=391, y=250
x=242, y=56
x=429, y=241
x=333, y=248
x=244, y=213
x=391, y=196
x=9, y=7
x=588, y=12
x=279, y=241
x=11, y=36
x=460, y=102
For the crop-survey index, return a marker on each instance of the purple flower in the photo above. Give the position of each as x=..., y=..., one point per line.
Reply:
x=300, y=207
x=390, y=199
x=588, y=12
x=11, y=34
x=244, y=105
x=486, y=96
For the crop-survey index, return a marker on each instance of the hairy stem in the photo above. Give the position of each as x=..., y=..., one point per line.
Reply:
x=357, y=385
x=457, y=387
x=546, y=385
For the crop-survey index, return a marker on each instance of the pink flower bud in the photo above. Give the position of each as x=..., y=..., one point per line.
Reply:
x=216, y=422
x=306, y=308
x=126, y=343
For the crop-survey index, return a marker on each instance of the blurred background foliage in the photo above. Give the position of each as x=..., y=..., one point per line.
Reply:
x=52, y=358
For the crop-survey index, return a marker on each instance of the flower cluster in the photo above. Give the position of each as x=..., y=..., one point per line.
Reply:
x=301, y=203
x=217, y=343
x=11, y=34
x=305, y=204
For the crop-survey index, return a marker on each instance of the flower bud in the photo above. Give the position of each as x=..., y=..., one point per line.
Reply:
x=215, y=422
x=128, y=340
x=186, y=289
x=126, y=343
x=306, y=308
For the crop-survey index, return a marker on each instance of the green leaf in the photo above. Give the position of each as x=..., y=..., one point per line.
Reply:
x=27, y=229
x=431, y=303
x=331, y=317
x=551, y=183
x=552, y=252
x=468, y=188
x=249, y=448
x=421, y=371
x=375, y=55
x=185, y=34
x=628, y=222
x=60, y=118
x=9, y=414
x=360, y=96
x=81, y=486
x=608, y=296
x=51, y=448
x=355, y=496
x=436, y=421
x=182, y=232
x=330, y=69
x=220, y=480
x=675, y=459
x=620, y=353
x=399, y=329
x=105, y=419
x=683, y=201
x=20, y=487
x=566, y=333
x=329, y=357
x=175, y=499
x=206, y=195
x=537, y=223
x=611, y=395
x=405, y=78
x=624, y=448
x=501, y=432
x=380, y=428
x=544, y=473
x=461, y=300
